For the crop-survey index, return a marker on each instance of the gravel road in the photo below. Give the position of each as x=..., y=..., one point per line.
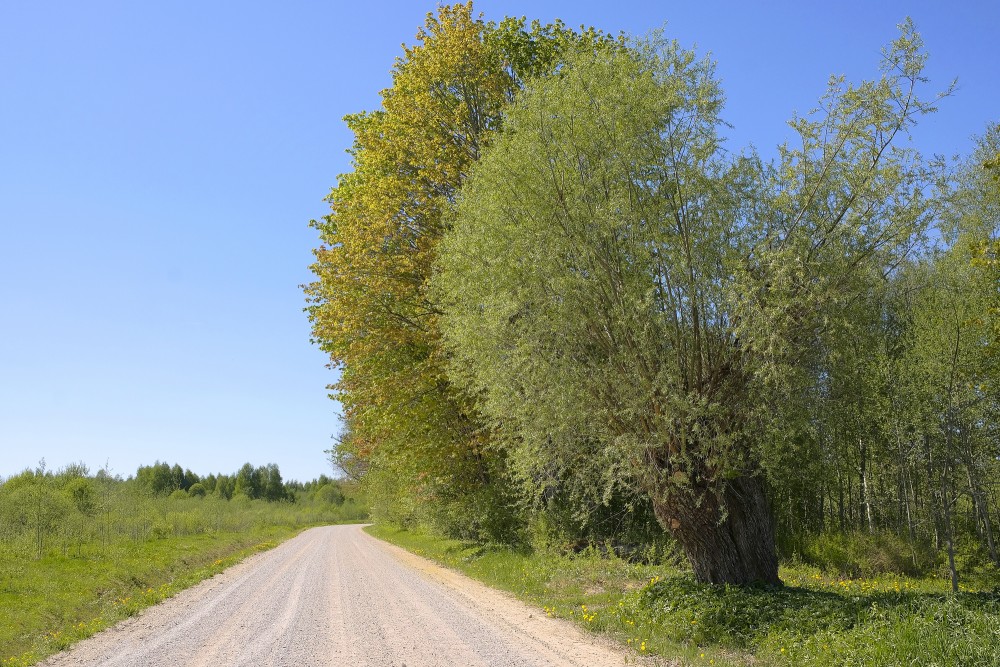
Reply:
x=337, y=596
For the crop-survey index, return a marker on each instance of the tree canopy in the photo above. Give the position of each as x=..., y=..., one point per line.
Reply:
x=369, y=306
x=551, y=290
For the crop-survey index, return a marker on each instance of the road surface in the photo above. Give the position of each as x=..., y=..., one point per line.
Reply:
x=337, y=596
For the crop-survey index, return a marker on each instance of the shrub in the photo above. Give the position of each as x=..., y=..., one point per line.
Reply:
x=330, y=493
x=81, y=491
x=858, y=554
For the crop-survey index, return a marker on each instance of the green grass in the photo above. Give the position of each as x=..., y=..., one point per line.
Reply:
x=815, y=620
x=96, y=571
x=54, y=601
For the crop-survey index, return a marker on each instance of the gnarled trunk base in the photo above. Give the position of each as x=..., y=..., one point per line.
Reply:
x=739, y=549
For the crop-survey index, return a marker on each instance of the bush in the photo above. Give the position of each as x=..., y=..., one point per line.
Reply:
x=622, y=524
x=81, y=491
x=859, y=554
x=330, y=493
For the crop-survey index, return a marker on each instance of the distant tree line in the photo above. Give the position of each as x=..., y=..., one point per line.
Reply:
x=255, y=483
x=262, y=482
x=77, y=510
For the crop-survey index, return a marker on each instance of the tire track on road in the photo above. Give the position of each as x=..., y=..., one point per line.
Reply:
x=337, y=596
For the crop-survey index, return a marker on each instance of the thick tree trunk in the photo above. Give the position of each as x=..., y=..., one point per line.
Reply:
x=727, y=539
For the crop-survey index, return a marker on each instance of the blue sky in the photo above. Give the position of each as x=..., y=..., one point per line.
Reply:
x=159, y=164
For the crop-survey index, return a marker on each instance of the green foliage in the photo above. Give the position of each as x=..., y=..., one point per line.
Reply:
x=860, y=554
x=740, y=617
x=561, y=310
x=635, y=310
x=274, y=488
x=548, y=276
x=860, y=624
x=815, y=620
x=418, y=441
x=330, y=493
x=83, y=494
x=623, y=524
x=157, y=478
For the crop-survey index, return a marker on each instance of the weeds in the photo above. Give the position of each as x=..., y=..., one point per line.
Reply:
x=817, y=619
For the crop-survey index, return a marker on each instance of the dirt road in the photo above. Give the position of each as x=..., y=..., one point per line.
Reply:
x=336, y=596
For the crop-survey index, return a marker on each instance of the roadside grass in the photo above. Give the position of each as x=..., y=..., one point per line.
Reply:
x=80, y=588
x=50, y=603
x=815, y=620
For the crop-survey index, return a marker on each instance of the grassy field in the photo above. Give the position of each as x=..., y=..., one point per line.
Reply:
x=52, y=602
x=816, y=619
x=86, y=581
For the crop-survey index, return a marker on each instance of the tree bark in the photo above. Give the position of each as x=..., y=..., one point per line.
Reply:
x=982, y=510
x=946, y=508
x=909, y=515
x=840, y=500
x=727, y=535
x=866, y=501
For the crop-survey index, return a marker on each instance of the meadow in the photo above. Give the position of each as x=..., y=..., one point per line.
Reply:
x=820, y=617
x=75, y=562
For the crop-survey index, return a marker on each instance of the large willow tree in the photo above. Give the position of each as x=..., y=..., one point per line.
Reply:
x=418, y=440
x=630, y=303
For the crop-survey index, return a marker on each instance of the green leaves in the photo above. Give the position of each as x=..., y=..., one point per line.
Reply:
x=635, y=308
x=574, y=277
x=544, y=269
x=411, y=431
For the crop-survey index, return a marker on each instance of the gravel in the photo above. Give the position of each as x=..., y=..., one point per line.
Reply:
x=337, y=596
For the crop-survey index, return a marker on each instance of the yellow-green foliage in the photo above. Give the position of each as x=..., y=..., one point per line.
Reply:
x=419, y=439
x=370, y=309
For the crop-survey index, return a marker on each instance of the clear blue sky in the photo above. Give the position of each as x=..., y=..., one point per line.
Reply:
x=159, y=163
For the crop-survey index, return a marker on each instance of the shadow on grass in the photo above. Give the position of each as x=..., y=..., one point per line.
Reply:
x=470, y=551
x=741, y=617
